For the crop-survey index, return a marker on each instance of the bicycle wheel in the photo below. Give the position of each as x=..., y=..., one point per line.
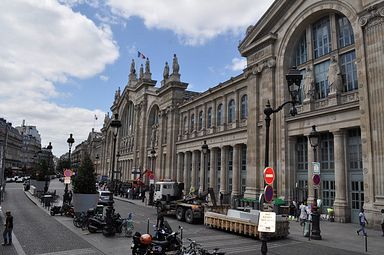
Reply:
x=77, y=222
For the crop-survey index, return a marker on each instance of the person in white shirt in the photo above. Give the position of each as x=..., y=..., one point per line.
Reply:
x=362, y=221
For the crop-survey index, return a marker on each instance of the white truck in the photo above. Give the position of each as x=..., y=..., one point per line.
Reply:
x=169, y=198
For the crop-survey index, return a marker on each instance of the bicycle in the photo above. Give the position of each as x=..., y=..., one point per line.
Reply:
x=127, y=226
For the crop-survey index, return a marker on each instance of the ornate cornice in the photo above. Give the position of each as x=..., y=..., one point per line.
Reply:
x=374, y=12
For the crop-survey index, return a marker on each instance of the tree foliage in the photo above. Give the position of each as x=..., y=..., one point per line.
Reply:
x=84, y=181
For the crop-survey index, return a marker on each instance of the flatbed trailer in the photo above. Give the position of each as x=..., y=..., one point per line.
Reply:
x=247, y=227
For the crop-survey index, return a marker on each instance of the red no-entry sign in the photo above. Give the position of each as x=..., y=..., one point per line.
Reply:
x=269, y=175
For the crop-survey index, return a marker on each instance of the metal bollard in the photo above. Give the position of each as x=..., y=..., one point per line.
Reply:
x=366, y=243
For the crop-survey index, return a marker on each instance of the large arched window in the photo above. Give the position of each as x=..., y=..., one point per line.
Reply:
x=193, y=122
x=244, y=107
x=219, y=114
x=333, y=64
x=200, y=120
x=209, y=120
x=231, y=111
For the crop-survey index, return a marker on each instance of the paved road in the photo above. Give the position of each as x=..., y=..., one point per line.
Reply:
x=39, y=233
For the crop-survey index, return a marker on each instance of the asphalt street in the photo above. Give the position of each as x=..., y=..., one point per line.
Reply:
x=39, y=233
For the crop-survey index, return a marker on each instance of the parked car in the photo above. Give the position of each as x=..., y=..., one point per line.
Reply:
x=105, y=197
x=20, y=179
x=61, y=179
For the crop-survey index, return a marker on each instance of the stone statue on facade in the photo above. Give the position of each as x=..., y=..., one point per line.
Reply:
x=175, y=65
x=147, y=70
x=309, y=84
x=132, y=73
x=166, y=71
x=117, y=94
x=141, y=74
x=334, y=76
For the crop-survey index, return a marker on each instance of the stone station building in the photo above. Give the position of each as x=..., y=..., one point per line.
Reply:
x=337, y=46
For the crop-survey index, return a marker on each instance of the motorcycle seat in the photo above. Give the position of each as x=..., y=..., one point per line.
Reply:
x=162, y=243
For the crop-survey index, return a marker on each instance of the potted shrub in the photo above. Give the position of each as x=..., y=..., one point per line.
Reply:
x=85, y=195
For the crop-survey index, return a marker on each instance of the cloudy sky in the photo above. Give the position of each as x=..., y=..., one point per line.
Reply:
x=61, y=61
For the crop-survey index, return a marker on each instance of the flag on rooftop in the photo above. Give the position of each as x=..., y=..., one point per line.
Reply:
x=140, y=55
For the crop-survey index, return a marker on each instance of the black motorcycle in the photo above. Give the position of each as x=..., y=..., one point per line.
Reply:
x=164, y=240
x=109, y=225
x=82, y=220
x=65, y=209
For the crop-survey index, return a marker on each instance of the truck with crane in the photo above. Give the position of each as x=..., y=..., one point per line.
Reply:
x=169, y=198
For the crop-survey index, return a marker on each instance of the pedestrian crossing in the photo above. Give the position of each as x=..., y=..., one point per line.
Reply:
x=239, y=245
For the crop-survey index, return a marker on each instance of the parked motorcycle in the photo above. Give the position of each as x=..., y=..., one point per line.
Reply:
x=82, y=220
x=164, y=240
x=65, y=209
x=109, y=225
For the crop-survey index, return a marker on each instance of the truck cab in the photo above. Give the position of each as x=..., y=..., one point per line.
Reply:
x=168, y=191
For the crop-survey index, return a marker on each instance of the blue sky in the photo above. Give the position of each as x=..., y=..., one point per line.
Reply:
x=61, y=61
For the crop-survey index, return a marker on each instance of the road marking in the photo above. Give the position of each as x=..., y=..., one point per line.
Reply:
x=72, y=252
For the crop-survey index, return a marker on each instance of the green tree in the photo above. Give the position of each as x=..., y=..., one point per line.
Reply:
x=84, y=181
x=61, y=165
x=40, y=170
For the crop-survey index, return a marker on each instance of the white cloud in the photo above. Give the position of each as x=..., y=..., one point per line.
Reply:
x=195, y=21
x=104, y=77
x=238, y=64
x=45, y=43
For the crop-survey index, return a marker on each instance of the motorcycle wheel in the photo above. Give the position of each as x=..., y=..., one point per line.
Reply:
x=91, y=229
x=52, y=213
x=76, y=222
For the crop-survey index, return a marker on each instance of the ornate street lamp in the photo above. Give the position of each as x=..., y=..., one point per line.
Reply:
x=70, y=142
x=115, y=125
x=293, y=82
x=314, y=140
x=49, y=147
x=151, y=187
x=204, y=149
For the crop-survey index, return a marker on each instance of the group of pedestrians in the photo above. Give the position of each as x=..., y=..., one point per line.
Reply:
x=363, y=221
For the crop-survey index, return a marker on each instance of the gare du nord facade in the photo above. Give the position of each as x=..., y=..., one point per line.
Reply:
x=337, y=46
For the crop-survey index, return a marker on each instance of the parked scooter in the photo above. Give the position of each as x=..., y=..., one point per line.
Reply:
x=65, y=209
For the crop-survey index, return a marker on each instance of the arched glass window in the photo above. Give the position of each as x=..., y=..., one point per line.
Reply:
x=209, y=122
x=193, y=122
x=336, y=28
x=231, y=111
x=200, y=120
x=322, y=37
x=219, y=114
x=244, y=107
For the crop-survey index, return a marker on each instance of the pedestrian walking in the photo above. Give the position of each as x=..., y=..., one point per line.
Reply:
x=142, y=195
x=362, y=221
x=303, y=213
x=7, y=234
x=382, y=221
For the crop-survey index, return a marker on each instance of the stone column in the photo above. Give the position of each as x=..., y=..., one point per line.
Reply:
x=224, y=170
x=187, y=163
x=180, y=165
x=340, y=204
x=213, y=170
x=311, y=158
x=236, y=171
x=290, y=176
x=194, y=170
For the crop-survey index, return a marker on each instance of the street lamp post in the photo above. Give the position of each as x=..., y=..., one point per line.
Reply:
x=49, y=147
x=314, y=140
x=97, y=161
x=115, y=125
x=204, y=149
x=293, y=81
x=151, y=187
x=70, y=142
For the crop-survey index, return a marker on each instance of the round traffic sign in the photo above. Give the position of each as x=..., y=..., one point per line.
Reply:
x=316, y=179
x=269, y=175
x=268, y=193
x=67, y=173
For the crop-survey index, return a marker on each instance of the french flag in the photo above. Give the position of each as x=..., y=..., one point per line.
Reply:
x=140, y=55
